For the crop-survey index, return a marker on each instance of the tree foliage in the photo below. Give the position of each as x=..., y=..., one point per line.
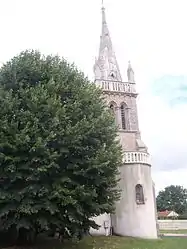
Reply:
x=59, y=155
x=172, y=198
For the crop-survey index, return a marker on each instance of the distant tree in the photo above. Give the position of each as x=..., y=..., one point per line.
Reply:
x=172, y=198
x=59, y=155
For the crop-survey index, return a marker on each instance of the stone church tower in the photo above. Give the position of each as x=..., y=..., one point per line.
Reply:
x=136, y=211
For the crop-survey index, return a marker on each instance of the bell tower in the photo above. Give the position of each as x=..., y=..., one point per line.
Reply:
x=135, y=213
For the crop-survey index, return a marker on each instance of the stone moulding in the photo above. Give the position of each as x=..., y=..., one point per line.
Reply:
x=136, y=157
x=116, y=86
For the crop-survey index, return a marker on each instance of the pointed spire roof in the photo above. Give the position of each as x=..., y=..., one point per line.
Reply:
x=129, y=65
x=105, y=35
x=106, y=66
x=130, y=73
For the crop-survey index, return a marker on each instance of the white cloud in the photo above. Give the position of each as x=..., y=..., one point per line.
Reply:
x=164, y=130
x=149, y=33
x=165, y=178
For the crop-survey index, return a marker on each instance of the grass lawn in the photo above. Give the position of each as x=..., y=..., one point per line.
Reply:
x=112, y=242
x=184, y=231
x=122, y=243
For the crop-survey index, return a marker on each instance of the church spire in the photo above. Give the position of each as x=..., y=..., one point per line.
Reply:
x=106, y=66
x=130, y=73
x=105, y=36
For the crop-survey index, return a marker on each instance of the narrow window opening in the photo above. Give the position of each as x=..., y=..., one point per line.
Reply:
x=112, y=108
x=123, y=117
x=139, y=194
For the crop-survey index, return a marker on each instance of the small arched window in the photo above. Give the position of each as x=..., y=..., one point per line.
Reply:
x=112, y=75
x=139, y=194
x=123, y=116
x=112, y=108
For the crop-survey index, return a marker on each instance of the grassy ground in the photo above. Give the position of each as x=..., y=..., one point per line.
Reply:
x=122, y=243
x=184, y=231
x=110, y=243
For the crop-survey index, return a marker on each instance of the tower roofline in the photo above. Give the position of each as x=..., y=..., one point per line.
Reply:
x=106, y=66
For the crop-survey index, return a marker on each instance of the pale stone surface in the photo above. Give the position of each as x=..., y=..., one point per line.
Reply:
x=130, y=218
x=104, y=221
x=172, y=224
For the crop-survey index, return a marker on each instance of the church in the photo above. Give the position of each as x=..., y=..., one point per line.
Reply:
x=135, y=213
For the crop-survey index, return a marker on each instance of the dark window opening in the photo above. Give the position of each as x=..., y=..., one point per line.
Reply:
x=112, y=108
x=123, y=117
x=139, y=194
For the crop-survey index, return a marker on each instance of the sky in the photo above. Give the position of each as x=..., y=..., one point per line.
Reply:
x=151, y=34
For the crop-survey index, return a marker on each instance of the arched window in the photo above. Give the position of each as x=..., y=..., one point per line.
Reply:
x=139, y=194
x=112, y=107
x=124, y=116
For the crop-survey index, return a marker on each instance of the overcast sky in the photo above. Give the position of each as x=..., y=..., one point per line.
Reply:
x=150, y=33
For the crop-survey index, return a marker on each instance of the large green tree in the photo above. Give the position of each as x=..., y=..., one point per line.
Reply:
x=172, y=198
x=59, y=155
